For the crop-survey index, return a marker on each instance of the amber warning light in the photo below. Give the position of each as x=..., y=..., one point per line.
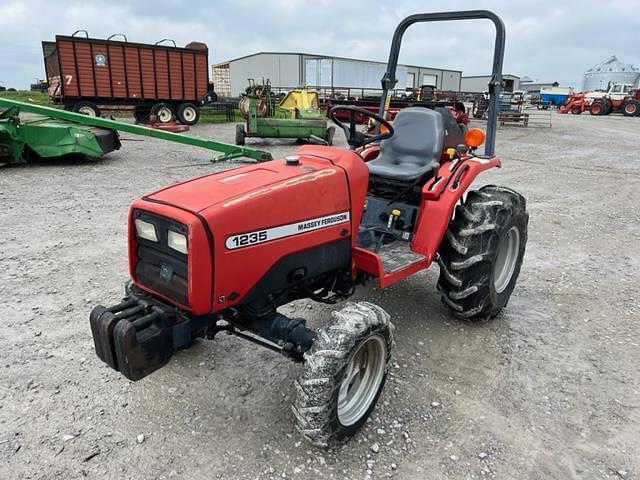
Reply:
x=474, y=137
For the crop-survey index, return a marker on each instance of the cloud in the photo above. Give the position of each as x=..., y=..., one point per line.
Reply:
x=545, y=40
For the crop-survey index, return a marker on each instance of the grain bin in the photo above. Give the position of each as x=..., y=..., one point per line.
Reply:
x=611, y=70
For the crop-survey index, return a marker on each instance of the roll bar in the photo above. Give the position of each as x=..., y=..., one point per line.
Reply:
x=389, y=79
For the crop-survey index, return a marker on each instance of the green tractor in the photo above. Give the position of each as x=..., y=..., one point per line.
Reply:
x=296, y=114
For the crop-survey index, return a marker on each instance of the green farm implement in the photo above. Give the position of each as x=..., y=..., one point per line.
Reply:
x=48, y=132
x=296, y=115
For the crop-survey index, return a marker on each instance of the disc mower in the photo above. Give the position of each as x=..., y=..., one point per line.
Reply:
x=51, y=132
x=222, y=252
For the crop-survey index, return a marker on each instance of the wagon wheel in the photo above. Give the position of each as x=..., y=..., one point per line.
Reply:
x=188, y=113
x=87, y=108
x=162, y=113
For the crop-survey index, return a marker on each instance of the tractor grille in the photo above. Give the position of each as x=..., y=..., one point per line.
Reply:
x=159, y=267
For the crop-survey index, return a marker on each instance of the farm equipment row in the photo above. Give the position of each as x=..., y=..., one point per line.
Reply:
x=619, y=98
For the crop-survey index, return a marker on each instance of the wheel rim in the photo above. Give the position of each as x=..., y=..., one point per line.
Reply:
x=506, y=260
x=362, y=379
x=87, y=111
x=189, y=114
x=630, y=109
x=164, y=115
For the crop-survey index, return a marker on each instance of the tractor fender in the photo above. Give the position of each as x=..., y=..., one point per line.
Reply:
x=439, y=198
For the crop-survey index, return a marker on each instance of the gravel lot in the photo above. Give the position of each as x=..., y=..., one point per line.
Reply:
x=548, y=390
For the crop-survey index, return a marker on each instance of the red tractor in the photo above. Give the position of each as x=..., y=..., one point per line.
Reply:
x=222, y=252
x=619, y=97
x=576, y=103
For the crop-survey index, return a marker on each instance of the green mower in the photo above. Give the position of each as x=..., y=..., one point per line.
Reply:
x=34, y=131
x=296, y=114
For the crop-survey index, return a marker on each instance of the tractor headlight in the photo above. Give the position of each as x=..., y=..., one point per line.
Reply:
x=146, y=230
x=177, y=241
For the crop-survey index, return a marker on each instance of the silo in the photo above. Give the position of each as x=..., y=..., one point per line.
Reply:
x=611, y=70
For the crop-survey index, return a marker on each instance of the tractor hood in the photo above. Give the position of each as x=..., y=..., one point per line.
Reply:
x=238, y=184
x=251, y=217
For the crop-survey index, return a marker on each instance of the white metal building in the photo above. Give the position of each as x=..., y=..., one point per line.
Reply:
x=611, y=70
x=529, y=85
x=290, y=70
x=480, y=83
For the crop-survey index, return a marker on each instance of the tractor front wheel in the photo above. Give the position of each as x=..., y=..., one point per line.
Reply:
x=481, y=254
x=576, y=110
x=344, y=373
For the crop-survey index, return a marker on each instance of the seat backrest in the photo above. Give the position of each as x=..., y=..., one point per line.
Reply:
x=453, y=135
x=418, y=138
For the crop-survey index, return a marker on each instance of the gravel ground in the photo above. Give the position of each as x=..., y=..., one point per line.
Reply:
x=548, y=390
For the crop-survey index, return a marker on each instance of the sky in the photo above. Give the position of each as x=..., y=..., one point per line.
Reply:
x=546, y=40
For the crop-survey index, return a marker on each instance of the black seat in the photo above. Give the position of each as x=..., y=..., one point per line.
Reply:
x=414, y=149
x=453, y=132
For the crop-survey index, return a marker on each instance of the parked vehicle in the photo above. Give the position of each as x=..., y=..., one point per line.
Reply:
x=576, y=103
x=508, y=103
x=162, y=80
x=222, y=252
x=40, y=86
x=619, y=98
x=553, y=96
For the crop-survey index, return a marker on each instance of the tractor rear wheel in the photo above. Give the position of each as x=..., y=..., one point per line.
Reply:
x=240, y=134
x=478, y=108
x=482, y=251
x=631, y=108
x=344, y=373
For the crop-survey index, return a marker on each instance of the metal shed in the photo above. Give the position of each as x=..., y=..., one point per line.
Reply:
x=294, y=69
x=480, y=83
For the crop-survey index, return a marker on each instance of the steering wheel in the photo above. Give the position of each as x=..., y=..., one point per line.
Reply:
x=357, y=139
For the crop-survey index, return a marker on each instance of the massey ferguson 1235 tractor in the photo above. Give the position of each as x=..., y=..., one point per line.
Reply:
x=222, y=252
